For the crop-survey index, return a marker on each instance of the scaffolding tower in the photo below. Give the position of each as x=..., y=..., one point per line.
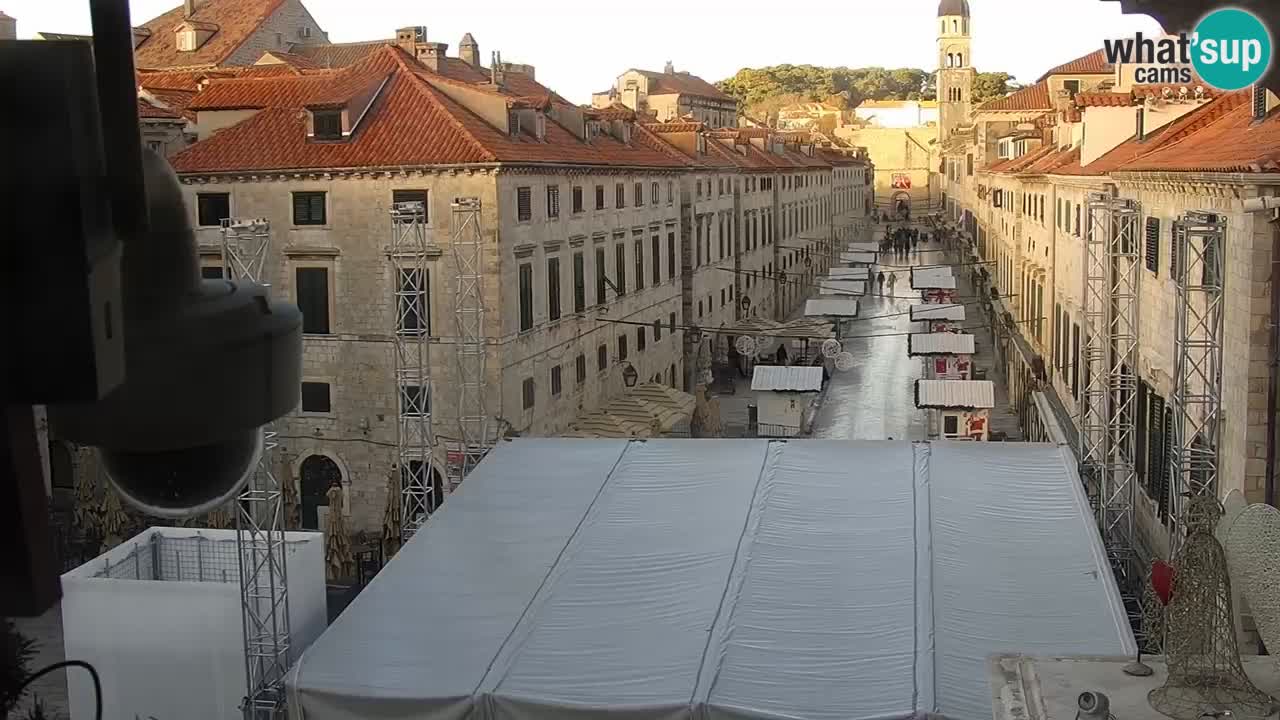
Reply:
x=1198, y=239
x=468, y=297
x=1108, y=416
x=260, y=545
x=415, y=441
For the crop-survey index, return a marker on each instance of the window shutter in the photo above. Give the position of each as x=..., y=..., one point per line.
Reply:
x=1175, y=249
x=524, y=203
x=1153, y=244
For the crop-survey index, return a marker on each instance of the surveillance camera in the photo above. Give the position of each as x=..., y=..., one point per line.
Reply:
x=1093, y=705
x=207, y=364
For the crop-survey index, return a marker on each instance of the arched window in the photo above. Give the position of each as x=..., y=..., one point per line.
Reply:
x=318, y=474
x=955, y=26
x=965, y=24
x=959, y=60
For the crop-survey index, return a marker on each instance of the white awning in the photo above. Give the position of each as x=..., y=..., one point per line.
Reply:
x=784, y=378
x=714, y=578
x=858, y=258
x=848, y=273
x=956, y=394
x=936, y=311
x=831, y=306
x=843, y=287
x=934, y=277
x=869, y=247
x=940, y=343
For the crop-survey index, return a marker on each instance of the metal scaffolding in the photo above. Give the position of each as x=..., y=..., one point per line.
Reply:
x=411, y=334
x=1197, y=395
x=468, y=298
x=1108, y=416
x=260, y=545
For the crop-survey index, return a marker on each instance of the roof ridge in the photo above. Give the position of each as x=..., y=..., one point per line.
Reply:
x=662, y=145
x=1199, y=119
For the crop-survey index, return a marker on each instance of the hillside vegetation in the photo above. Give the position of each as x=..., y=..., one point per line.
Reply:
x=763, y=91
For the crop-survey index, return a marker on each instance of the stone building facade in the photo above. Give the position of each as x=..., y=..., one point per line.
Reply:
x=589, y=224
x=1017, y=179
x=670, y=95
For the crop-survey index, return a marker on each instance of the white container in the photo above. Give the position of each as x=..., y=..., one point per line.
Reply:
x=159, y=617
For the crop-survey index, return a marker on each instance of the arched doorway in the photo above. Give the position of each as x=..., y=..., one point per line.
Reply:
x=318, y=474
x=416, y=473
x=902, y=204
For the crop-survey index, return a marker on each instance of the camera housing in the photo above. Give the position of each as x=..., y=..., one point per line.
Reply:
x=207, y=364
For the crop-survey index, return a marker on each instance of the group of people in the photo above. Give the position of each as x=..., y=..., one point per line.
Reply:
x=902, y=241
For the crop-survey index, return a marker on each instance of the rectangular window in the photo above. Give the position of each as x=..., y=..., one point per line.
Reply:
x=640, y=339
x=671, y=321
x=638, y=194
x=577, y=199
x=555, y=380
x=415, y=400
x=212, y=208
x=553, y=201
x=720, y=241
x=602, y=358
x=639, y=253
x=620, y=269
x=1175, y=250
x=601, y=298
x=326, y=125
x=312, y=287
x=524, y=204
x=657, y=330
x=580, y=368
x=414, y=302
x=1076, y=372
x=526, y=297
x=308, y=208
x=622, y=348
x=211, y=272
x=315, y=397
x=579, y=283
x=656, y=243
x=553, y=288
x=599, y=197
x=1151, y=235
x=528, y=394
x=1210, y=272
x=697, y=261
x=412, y=196
x=671, y=192
x=619, y=195
x=721, y=297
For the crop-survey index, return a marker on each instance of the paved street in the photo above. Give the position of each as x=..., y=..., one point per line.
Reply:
x=874, y=400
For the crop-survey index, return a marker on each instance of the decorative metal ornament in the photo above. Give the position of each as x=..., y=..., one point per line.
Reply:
x=831, y=347
x=1200, y=649
x=844, y=361
x=745, y=302
x=745, y=345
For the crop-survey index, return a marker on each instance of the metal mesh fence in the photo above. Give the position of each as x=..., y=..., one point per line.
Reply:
x=177, y=559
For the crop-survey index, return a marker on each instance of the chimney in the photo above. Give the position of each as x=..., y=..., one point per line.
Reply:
x=188, y=7
x=432, y=54
x=8, y=27
x=669, y=69
x=409, y=38
x=495, y=69
x=1141, y=131
x=469, y=51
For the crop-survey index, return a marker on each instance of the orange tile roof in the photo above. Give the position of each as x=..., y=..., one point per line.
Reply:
x=295, y=60
x=149, y=111
x=1068, y=163
x=409, y=124
x=1104, y=99
x=661, y=83
x=175, y=100
x=1095, y=63
x=338, y=55
x=675, y=127
x=1229, y=141
x=234, y=20
x=1157, y=91
x=1048, y=162
x=1032, y=97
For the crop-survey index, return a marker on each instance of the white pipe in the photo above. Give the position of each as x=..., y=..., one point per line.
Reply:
x=1259, y=204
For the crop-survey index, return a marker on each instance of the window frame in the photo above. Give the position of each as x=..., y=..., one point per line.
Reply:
x=524, y=204
x=200, y=208
x=525, y=293
x=327, y=269
x=309, y=195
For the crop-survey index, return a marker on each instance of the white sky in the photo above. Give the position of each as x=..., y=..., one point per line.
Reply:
x=581, y=45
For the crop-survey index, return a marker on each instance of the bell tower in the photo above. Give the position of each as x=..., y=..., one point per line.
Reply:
x=955, y=67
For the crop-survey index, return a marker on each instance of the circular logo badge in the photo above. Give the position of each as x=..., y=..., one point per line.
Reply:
x=1231, y=49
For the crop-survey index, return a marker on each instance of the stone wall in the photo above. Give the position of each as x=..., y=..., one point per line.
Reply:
x=286, y=22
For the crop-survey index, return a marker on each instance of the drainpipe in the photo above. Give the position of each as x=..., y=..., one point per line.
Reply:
x=1253, y=205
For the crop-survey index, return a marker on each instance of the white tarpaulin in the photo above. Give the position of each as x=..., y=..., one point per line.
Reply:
x=724, y=580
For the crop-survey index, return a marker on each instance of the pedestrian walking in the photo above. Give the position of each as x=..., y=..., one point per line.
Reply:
x=880, y=281
x=893, y=280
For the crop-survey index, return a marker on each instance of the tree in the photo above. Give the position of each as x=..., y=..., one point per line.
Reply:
x=16, y=652
x=991, y=85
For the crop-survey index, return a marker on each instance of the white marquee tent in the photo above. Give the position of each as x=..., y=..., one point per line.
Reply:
x=726, y=580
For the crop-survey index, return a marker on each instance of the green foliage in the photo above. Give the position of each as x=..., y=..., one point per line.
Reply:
x=762, y=91
x=16, y=653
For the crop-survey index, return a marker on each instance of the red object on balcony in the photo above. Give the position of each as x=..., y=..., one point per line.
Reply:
x=1162, y=574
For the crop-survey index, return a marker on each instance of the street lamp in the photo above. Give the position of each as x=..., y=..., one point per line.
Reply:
x=629, y=375
x=745, y=303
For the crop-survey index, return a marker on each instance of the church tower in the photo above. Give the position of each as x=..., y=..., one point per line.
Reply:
x=955, y=67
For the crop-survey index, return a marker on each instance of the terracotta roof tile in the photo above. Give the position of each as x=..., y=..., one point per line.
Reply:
x=1226, y=139
x=295, y=60
x=661, y=83
x=1104, y=99
x=675, y=127
x=410, y=123
x=234, y=20
x=1095, y=63
x=1032, y=97
x=338, y=55
x=1047, y=162
x=1157, y=91
x=175, y=100
x=147, y=110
